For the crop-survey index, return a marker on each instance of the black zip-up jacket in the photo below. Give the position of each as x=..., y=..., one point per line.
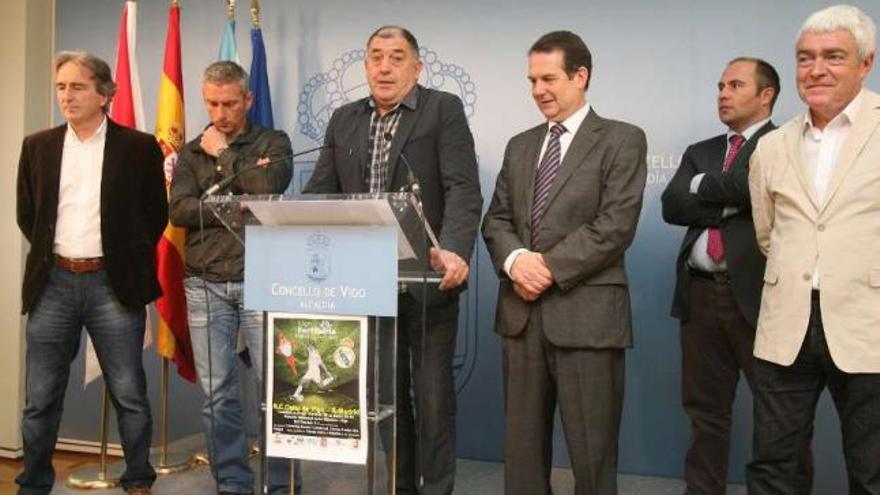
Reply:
x=215, y=254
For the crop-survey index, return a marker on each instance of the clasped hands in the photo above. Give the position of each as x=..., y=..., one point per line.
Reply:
x=531, y=276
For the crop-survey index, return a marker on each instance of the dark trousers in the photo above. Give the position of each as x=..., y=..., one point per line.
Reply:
x=588, y=385
x=785, y=405
x=425, y=398
x=70, y=302
x=716, y=343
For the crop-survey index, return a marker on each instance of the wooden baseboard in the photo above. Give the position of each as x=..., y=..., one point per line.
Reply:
x=8, y=453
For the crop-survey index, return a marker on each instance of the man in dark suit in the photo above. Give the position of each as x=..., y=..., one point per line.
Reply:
x=719, y=266
x=92, y=204
x=371, y=145
x=565, y=209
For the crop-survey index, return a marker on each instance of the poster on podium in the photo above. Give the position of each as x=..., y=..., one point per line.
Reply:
x=316, y=388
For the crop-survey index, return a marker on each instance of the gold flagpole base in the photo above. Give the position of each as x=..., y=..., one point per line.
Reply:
x=173, y=463
x=91, y=477
x=201, y=458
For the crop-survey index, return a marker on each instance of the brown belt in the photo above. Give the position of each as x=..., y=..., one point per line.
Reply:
x=79, y=265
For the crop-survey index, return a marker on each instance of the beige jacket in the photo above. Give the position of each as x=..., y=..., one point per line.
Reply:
x=840, y=235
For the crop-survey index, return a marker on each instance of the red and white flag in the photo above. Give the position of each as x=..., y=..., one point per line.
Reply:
x=127, y=109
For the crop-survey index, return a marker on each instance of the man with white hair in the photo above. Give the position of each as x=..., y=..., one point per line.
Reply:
x=815, y=184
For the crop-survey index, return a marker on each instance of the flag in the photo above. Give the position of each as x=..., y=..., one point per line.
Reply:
x=127, y=109
x=228, y=48
x=261, y=108
x=173, y=331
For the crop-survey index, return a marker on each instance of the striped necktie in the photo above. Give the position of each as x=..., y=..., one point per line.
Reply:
x=547, y=171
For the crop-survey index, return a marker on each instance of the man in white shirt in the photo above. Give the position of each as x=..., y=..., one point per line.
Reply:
x=815, y=184
x=564, y=211
x=91, y=202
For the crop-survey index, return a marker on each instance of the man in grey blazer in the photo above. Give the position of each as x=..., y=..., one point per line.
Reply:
x=565, y=209
x=403, y=133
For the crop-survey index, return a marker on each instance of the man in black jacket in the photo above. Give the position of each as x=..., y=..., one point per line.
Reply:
x=91, y=202
x=719, y=267
x=368, y=144
x=215, y=264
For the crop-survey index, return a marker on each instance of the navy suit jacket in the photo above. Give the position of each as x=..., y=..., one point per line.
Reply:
x=745, y=263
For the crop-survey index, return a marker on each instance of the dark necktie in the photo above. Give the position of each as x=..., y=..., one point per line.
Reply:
x=715, y=244
x=547, y=171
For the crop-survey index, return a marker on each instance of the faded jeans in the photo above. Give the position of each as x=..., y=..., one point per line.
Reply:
x=228, y=446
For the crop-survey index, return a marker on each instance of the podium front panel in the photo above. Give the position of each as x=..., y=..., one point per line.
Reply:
x=347, y=270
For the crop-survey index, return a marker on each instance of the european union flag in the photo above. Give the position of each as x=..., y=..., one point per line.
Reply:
x=261, y=109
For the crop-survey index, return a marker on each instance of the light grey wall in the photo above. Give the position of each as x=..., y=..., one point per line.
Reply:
x=656, y=65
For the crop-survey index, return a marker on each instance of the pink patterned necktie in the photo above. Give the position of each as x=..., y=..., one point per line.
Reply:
x=715, y=245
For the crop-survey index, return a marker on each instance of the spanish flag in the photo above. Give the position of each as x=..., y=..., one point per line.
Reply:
x=173, y=332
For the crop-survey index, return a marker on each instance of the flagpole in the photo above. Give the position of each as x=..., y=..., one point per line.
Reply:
x=168, y=462
x=90, y=477
x=255, y=14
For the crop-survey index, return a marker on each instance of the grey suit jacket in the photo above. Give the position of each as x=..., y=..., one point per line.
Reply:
x=589, y=223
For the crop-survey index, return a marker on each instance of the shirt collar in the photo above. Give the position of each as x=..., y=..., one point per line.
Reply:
x=410, y=101
x=574, y=121
x=71, y=136
x=847, y=116
x=750, y=130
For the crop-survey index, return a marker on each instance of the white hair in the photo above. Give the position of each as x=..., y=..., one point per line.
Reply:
x=847, y=18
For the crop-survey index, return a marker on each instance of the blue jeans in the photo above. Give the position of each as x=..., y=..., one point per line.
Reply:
x=228, y=446
x=70, y=302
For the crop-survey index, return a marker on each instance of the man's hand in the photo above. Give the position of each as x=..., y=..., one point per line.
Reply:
x=213, y=141
x=454, y=269
x=525, y=294
x=530, y=272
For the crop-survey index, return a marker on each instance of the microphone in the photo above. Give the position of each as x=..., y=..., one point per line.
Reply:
x=416, y=190
x=413, y=185
x=229, y=180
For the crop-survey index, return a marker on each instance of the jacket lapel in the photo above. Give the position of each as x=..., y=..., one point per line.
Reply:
x=742, y=159
x=716, y=157
x=865, y=126
x=794, y=143
x=583, y=142
x=361, y=141
x=405, y=127
x=53, y=162
x=532, y=160
x=110, y=167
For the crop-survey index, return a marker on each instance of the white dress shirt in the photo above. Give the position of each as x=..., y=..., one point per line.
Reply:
x=821, y=149
x=78, y=226
x=699, y=257
x=571, y=124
